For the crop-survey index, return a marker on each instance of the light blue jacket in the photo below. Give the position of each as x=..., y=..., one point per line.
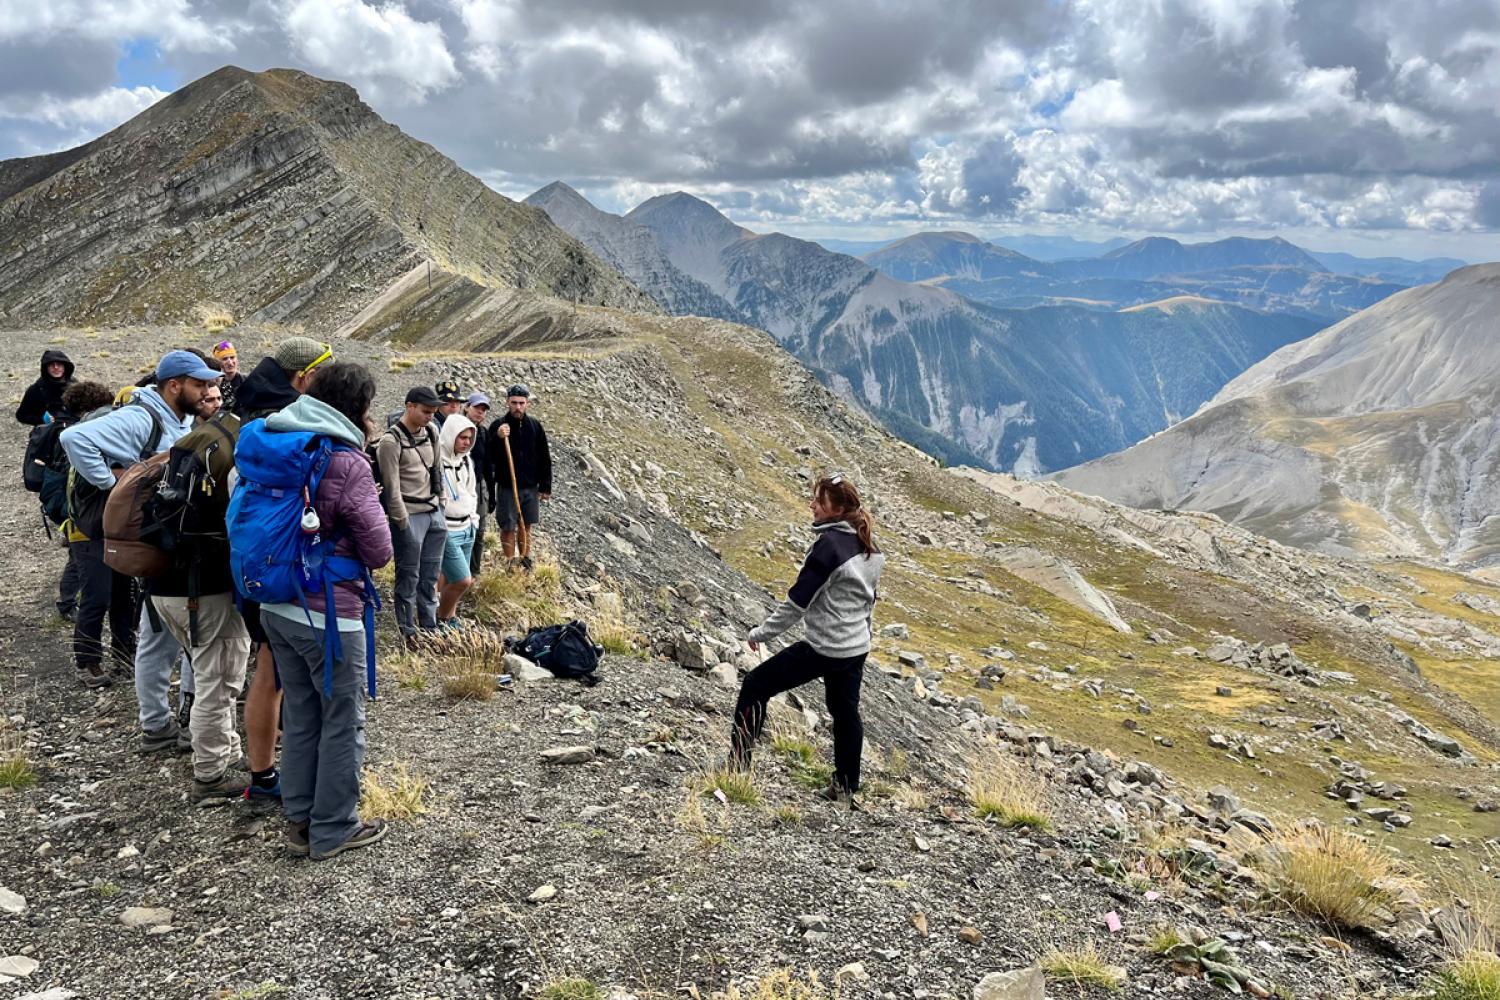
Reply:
x=117, y=439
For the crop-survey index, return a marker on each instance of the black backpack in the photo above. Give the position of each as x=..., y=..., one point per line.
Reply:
x=566, y=650
x=41, y=448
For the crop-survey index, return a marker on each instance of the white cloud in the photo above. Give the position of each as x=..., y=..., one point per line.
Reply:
x=173, y=22
x=102, y=111
x=396, y=56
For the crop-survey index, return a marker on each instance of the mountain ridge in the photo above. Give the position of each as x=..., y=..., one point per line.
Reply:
x=280, y=196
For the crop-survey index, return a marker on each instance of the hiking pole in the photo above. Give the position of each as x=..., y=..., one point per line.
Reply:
x=523, y=537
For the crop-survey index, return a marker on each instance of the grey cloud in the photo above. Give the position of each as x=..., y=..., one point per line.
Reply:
x=1487, y=209
x=61, y=67
x=990, y=179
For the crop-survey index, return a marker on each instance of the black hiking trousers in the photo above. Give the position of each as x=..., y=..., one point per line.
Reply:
x=793, y=667
x=102, y=593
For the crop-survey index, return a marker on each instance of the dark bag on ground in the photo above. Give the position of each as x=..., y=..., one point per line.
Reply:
x=566, y=650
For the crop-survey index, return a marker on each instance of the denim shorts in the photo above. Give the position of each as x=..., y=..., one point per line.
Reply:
x=456, y=554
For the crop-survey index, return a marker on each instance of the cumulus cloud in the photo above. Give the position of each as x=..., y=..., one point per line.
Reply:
x=383, y=46
x=1178, y=115
x=103, y=110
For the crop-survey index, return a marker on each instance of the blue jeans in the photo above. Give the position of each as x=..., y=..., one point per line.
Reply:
x=156, y=653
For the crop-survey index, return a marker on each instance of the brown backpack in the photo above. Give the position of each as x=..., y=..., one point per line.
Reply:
x=128, y=548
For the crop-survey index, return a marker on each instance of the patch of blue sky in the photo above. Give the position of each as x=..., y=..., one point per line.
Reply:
x=141, y=65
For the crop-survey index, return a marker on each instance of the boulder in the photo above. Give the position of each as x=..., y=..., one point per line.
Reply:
x=568, y=755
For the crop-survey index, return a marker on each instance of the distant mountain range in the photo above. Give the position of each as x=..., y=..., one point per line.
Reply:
x=1270, y=275
x=1036, y=247
x=1028, y=390
x=1379, y=434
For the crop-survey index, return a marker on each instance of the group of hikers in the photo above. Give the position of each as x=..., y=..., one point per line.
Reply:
x=216, y=519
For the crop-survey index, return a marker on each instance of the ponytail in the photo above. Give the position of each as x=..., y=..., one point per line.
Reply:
x=841, y=495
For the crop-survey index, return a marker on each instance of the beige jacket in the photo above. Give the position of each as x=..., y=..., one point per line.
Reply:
x=406, y=471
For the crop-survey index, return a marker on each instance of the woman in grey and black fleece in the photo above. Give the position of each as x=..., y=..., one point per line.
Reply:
x=834, y=596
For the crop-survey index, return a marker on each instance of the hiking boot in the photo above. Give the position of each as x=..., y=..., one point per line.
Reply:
x=94, y=676
x=840, y=794
x=168, y=737
x=296, y=839
x=229, y=785
x=368, y=833
x=241, y=764
x=184, y=739
x=413, y=645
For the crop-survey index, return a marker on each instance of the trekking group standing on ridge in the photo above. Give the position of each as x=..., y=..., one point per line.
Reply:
x=213, y=519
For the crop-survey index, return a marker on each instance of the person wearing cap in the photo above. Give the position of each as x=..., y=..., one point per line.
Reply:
x=533, y=461
x=100, y=450
x=225, y=354
x=280, y=378
x=477, y=409
x=410, y=459
x=277, y=381
x=450, y=400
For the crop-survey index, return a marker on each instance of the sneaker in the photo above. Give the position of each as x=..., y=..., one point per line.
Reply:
x=297, y=841
x=168, y=737
x=94, y=676
x=368, y=833
x=454, y=624
x=229, y=785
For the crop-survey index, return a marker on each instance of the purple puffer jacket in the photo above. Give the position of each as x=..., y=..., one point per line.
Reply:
x=348, y=504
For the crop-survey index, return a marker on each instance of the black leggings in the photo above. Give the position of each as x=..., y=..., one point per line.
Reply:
x=793, y=667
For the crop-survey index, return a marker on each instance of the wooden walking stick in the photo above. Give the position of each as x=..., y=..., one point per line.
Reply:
x=523, y=536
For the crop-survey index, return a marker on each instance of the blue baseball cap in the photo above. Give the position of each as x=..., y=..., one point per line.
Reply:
x=184, y=364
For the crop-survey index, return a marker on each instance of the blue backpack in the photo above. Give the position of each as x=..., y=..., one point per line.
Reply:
x=273, y=559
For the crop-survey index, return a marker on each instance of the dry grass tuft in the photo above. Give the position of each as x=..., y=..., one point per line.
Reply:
x=400, y=795
x=1082, y=967
x=784, y=984
x=213, y=317
x=518, y=601
x=1473, y=976
x=1003, y=789
x=468, y=663
x=409, y=670
x=1335, y=876
x=738, y=787
x=16, y=771
x=571, y=988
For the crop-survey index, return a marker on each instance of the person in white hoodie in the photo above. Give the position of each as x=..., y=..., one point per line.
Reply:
x=461, y=507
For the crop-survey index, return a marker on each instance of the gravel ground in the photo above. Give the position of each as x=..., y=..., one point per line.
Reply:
x=656, y=888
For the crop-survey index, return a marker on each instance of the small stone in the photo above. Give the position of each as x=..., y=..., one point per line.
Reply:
x=1482, y=806
x=1224, y=692
x=1219, y=741
x=1023, y=984
x=1442, y=840
x=970, y=935
x=128, y=851
x=568, y=755
x=17, y=966
x=12, y=903
x=542, y=893
x=1223, y=800
x=919, y=843
x=854, y=970
x=524, y=670
x=726, y=676
x=145, y=916
x=1399, y=820
x=812, y=922
x=919, y=921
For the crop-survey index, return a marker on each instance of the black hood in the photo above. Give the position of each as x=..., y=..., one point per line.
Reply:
x=266, y=390
x=50, y=356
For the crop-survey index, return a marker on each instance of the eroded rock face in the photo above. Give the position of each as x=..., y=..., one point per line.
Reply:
x=274, y=196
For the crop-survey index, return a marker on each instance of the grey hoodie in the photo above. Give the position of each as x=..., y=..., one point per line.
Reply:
x=834, y=594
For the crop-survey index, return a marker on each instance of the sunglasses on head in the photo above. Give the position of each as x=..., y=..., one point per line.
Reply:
x=327, y=355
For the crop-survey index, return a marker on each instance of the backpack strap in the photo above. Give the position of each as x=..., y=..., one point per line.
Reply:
x=158, y=429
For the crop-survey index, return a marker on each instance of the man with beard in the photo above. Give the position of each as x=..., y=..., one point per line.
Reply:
x=100, y=450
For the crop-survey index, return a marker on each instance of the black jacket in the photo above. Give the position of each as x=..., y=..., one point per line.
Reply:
x=265, y=391
x=528, y=447
x=229, y=388
x=44, y=396
x=481, y=453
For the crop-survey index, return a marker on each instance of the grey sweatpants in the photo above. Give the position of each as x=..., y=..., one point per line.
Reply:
x=156, y=653
x=419, y=560
x=323, y=739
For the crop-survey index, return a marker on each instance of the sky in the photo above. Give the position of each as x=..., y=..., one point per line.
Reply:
x=1370, y=126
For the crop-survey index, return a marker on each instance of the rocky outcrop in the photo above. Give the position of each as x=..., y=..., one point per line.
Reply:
x=276, y=197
